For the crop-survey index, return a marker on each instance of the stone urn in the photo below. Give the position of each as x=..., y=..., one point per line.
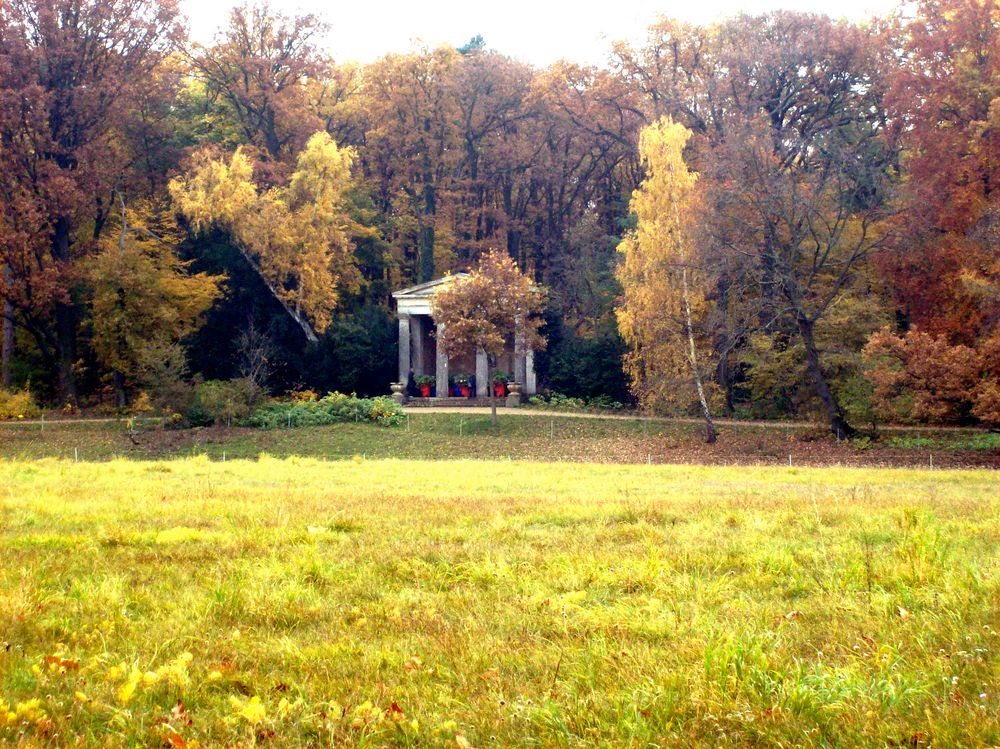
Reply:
x=398, y=392
x=513, y=394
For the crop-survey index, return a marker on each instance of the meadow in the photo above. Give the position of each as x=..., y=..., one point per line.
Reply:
x=381, y=602
x=530, y=436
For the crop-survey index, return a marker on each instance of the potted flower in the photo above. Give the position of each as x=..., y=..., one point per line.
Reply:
x=500, y=380
x=462, y=385
x=425, y=383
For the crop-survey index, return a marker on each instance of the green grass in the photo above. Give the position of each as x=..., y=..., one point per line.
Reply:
x=472, y=603
x=422, y=436
x=983, y=441
x=543, y=437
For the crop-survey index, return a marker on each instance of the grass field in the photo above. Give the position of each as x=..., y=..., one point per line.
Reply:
x=291, y=602
x=541, y=437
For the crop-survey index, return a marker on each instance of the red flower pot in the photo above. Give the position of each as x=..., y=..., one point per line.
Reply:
x=500, y=389
x=425, y=391
x=464, y=390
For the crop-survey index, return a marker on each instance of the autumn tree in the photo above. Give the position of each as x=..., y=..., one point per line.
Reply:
x=69, y=72
x=663, y=308
x=923, y=377
x=494, y=308
x=797, y=176
x=584, y=170
x=943, y=361
x=491, y=93
x=144, y=298
x=259, y=67
x=413, y=145
x=293, y=237
x=947, y=93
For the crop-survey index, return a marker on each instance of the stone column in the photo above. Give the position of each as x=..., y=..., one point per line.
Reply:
x=519, y=363
x=483, y=384
x=417, y=339
x=441, y=375
x=530, y=381
x=404, y=347
x=519, y=367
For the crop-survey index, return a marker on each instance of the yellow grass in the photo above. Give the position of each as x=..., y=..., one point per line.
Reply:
x=300, y=602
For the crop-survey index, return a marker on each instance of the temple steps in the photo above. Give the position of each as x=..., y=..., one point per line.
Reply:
x=450, y=402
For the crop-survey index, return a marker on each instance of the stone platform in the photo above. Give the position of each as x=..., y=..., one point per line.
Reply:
x=450, y=402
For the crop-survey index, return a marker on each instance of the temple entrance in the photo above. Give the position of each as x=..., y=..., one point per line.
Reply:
x=418, y=351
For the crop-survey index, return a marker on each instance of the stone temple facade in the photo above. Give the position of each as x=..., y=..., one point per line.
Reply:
x=418, y=345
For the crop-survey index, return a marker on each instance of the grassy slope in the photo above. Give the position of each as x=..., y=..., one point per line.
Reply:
x=499, y=604
x=541, y=438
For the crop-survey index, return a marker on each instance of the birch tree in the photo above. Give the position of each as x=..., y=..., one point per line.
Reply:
x=663, y=305
x=295, y=238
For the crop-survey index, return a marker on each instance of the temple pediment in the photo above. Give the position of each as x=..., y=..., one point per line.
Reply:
x=416, y=300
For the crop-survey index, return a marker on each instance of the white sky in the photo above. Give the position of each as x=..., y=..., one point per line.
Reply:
x=536, y=31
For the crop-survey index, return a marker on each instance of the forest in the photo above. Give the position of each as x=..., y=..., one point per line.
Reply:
x=173, y=213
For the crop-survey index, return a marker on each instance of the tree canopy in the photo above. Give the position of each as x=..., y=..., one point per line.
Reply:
x=841, y=233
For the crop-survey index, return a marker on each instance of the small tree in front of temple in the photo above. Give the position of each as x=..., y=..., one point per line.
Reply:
x=493, y=308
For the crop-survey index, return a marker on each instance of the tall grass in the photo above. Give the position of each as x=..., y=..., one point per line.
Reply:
x=298, y=602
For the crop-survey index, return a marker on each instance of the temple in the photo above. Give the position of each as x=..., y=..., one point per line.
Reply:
x=418, y=348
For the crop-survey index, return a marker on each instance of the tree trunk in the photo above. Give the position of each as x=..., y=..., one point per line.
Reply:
x=7, y=346
x=724, y=376
x=838, y=424
x=65, y=319
x=766, y=314
x=490, y=370
x=293, y=313
x=429, y=209
x=121, y=397
x=493, y=404
x=710, y=433
x=66, y=343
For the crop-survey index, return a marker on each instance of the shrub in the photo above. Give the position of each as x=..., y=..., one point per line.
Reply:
x=334, y=408
x=560, y=402
x=862, y=443
x=17, y=405
x=223, y=402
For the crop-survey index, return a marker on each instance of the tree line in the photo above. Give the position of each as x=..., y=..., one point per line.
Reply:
x=171, y=209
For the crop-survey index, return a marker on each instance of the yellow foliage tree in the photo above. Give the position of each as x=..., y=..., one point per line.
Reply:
x=295, y=237
x=664, y=299
x=144, y=298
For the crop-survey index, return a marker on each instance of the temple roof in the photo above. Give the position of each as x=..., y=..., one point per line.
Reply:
x=426, y=290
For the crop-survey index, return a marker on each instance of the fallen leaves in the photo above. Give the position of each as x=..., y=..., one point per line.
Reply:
x=55, y=662
x=179, y=715
x=790, y=616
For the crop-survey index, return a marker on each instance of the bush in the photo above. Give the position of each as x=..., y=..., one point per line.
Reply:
x=17, y=405
x=334, y=408
x=223, y=402
x=560, y=402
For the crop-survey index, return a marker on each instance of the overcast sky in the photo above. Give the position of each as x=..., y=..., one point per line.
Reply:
x=537, y=31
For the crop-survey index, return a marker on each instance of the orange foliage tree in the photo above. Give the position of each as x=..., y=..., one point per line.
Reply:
x=494, y=308
x=945, y=271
